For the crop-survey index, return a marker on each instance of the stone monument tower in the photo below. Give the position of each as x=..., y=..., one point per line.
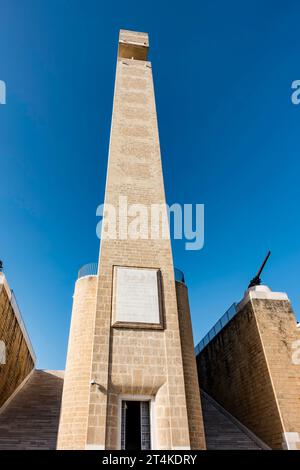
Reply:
x=131, y=379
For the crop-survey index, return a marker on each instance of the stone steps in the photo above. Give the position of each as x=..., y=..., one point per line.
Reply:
x=30, y=420
x=223, y=431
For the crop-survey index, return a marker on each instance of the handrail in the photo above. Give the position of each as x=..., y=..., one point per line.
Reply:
x=228, y=315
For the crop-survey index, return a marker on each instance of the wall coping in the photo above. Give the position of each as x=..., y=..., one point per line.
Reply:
x=262, y=292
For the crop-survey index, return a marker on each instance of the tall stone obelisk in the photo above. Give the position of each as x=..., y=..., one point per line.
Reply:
x=135, y=346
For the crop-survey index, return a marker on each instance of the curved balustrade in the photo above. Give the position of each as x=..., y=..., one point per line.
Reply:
x=91, y=269
x=179, y=276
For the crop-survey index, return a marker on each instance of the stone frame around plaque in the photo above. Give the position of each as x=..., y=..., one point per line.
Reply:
x=134, y=323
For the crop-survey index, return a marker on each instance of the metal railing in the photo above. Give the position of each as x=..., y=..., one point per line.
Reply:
x=228, y=315
x=91, y=269
x=179, y=276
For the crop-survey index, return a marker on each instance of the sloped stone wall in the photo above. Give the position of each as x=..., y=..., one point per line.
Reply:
x=18, y=359
x=248, y=368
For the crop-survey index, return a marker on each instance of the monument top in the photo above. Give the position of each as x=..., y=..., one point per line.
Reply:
x=133, y=45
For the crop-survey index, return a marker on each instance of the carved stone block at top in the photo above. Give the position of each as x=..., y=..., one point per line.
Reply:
x=134, y=37
x=136, y=296
x=133, y=45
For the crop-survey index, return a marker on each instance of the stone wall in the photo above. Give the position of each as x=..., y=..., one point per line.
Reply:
x=248, y=368
x=280, y=337
x=19, y=361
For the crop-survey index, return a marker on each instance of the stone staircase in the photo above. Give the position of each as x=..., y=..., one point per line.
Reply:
x=223, y=431
x=30, y=420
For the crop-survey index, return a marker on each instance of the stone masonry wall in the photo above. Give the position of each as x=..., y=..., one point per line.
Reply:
x=233, y=370
x=281, y=340
x=19, y=362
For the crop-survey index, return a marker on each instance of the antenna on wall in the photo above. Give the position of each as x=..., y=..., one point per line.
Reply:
x=256, y=281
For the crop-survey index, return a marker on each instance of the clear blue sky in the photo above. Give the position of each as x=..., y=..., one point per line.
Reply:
x=229, y=139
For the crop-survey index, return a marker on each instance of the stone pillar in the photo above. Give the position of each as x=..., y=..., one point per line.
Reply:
x=138, y=358
x=75, y=400
x=131, y=347
x=192, y=390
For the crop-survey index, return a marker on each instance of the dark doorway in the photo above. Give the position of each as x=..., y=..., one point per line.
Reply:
x=135, y=426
